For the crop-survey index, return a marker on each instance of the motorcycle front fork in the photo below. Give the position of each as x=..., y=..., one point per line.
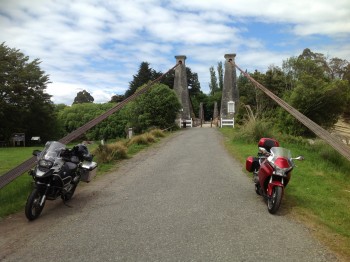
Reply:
x=43, y=198
x=273, y=184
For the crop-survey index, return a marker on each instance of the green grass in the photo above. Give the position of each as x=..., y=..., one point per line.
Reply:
x=14, y=195
x=13, y=156
x=319, y=191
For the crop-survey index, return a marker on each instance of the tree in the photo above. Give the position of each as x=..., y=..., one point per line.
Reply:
x=117, y=99
x=72, y=117
x=156, y=108
x=315, y=96
x=24, y=104
x=83, y=97
x=337, y=68
x=220, y=75
x=144, y=75
x=213, y=85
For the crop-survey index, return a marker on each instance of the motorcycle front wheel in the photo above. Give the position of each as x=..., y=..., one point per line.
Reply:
x=274, y=202
x=33, y=208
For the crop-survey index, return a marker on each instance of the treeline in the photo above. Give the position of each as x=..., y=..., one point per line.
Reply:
x=314, y=84
x=155, y=109
x=25, y=107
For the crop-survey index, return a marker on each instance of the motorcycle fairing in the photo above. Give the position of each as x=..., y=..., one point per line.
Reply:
x=273, y=184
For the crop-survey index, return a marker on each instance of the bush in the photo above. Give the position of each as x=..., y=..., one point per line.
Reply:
x=157, y=133
x=109, y=152
x=159, y=107
x=139, y=140
x=150, y=138
x=254, y=129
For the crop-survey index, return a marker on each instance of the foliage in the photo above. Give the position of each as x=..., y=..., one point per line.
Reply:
x=310, y=83
x=158, y=107
x=83, y=97
x=24, y=104
x=143, y=139
x=117, y=99
x=209, y=104
x=143, y=76
x=319, y=98
x=73, y=117
x=213, y=85
x=110, y=152
x=157, y=133
x=254, y=129
x=220, y=75
x=193, y=83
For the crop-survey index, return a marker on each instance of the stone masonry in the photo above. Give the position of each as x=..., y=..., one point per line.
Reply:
x=230, y=90
x=181, y=88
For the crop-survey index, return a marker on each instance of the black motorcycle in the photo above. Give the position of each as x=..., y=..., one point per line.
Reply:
x=57, y=173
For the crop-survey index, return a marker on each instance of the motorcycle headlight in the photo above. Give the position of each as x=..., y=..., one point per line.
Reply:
x=281, y=171
x=45, y=163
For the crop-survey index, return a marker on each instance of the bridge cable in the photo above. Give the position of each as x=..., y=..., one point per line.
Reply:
x=26, y=165
x=339, y=146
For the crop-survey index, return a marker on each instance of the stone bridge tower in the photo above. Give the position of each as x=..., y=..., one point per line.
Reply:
x=230, y=95
x=181, y=88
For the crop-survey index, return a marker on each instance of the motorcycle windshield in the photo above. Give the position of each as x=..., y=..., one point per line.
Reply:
x=52, y=150
x=281, y=157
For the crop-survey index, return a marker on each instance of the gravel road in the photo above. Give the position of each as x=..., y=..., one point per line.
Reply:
x=184, y=199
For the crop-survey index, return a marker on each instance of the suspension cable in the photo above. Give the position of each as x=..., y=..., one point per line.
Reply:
x=315, y=128
x=26, y=165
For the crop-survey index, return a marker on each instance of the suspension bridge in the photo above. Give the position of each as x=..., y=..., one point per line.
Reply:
x=230, y=98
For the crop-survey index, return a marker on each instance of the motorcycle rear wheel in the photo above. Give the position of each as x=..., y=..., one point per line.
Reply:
x=33, y=208
x=274, y=202
x=257, y=189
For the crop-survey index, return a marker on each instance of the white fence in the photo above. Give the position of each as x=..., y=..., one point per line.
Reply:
x=187, y=122
x=227, y=122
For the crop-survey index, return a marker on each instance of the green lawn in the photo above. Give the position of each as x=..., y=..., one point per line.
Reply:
x=13, y=156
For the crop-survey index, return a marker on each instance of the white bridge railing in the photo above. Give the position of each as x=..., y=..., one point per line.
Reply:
x=186, y=122
x=227, y=122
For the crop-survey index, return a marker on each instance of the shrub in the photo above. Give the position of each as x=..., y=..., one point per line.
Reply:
x=107, y=153
x=139, y=140
x=157, y=133
x=150, y=138
x=254, y=129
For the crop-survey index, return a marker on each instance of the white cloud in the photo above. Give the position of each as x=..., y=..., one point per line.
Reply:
x=99, y=45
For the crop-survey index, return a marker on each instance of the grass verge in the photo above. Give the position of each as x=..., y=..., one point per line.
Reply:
x=319, y=191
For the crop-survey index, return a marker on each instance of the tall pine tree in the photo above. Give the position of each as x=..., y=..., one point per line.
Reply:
x=144, y=75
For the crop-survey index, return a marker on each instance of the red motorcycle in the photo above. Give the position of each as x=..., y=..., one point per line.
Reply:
x=272, y=170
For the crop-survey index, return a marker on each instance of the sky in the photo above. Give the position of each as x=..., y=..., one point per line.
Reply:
x=98, y=46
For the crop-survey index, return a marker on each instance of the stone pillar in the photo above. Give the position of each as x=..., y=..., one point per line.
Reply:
x=181, y=88
x=201, y=111
x=230, y=90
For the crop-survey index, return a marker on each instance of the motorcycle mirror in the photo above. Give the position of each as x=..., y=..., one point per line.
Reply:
x=36, y=152
x=263, y=150
x=300, y=158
